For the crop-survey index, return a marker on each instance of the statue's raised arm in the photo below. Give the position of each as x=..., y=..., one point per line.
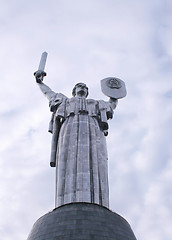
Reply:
x=46, y=90
x=54, y=98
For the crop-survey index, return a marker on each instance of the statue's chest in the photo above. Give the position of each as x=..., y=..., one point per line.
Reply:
x=79, y=105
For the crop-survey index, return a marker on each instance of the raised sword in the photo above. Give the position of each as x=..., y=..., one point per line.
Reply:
x=40, y=74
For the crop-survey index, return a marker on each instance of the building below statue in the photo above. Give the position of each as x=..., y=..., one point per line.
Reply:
x=81, y=221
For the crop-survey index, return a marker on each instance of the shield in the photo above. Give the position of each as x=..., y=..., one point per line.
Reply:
x=113, y=87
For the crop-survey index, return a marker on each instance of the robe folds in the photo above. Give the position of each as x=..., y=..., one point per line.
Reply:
x=80, y=151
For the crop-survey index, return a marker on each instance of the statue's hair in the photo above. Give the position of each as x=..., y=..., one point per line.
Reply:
x=76, y=85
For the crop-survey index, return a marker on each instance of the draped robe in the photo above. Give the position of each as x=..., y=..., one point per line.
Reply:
x=81, y=154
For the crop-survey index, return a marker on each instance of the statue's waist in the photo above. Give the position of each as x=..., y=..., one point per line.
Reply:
x=72, y=113
x=82, y=113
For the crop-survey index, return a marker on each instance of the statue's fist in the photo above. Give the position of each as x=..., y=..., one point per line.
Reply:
x=39, y=75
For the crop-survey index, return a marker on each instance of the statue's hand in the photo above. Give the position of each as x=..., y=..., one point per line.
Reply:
x=113, y=99
x=113, y=102
x=39, y=75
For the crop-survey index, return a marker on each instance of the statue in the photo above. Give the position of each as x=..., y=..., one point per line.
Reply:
x=79, y=127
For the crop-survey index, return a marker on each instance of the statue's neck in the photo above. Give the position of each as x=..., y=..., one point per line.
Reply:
x=80, y=96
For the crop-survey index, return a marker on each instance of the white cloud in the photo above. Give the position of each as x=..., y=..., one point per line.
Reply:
x=87, y=41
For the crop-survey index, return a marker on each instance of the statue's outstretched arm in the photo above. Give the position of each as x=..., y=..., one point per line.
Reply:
x=113, y=102
x=46, y=91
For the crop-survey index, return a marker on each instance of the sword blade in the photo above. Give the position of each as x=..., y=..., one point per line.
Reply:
x=43, y=61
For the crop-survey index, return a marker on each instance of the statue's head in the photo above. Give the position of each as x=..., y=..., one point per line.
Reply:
x=80, y=88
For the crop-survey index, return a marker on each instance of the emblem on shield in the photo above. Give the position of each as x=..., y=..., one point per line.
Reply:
x=113, y=87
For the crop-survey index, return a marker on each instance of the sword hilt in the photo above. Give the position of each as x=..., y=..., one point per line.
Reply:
x=39, y=75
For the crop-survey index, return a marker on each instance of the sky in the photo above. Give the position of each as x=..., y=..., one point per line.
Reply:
x=87, y=41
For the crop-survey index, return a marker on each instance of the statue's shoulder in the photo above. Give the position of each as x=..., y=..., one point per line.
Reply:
x=99, y=103
x=103, y=104
x=90, y=100
x=59, y=96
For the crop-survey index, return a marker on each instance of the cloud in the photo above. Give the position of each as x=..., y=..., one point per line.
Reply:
x=87, y=41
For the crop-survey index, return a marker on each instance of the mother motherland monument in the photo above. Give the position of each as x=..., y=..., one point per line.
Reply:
x=79, y=128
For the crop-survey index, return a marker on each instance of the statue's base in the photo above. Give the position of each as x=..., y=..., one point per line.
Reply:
x=81, y=221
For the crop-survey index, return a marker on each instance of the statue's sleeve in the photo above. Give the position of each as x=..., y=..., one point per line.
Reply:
x=46, y=90
x=110, y=106
x=107, y=107
x=57, y=105
x=113, y=103
x=106, y=112
x=55, y=99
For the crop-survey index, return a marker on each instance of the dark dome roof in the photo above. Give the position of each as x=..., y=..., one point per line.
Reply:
x=81, y=221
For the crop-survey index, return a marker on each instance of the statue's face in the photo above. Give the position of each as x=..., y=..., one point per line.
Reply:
x=81, y=90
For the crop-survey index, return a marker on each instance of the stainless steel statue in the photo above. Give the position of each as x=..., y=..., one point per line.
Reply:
x=79, y=126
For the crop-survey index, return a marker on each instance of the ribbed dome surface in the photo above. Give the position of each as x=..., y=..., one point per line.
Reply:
x=81, y=221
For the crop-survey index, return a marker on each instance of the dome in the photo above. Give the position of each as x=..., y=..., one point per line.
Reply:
x=81, y=221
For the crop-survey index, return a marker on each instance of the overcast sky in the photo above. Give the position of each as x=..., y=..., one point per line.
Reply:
x=87, y=41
